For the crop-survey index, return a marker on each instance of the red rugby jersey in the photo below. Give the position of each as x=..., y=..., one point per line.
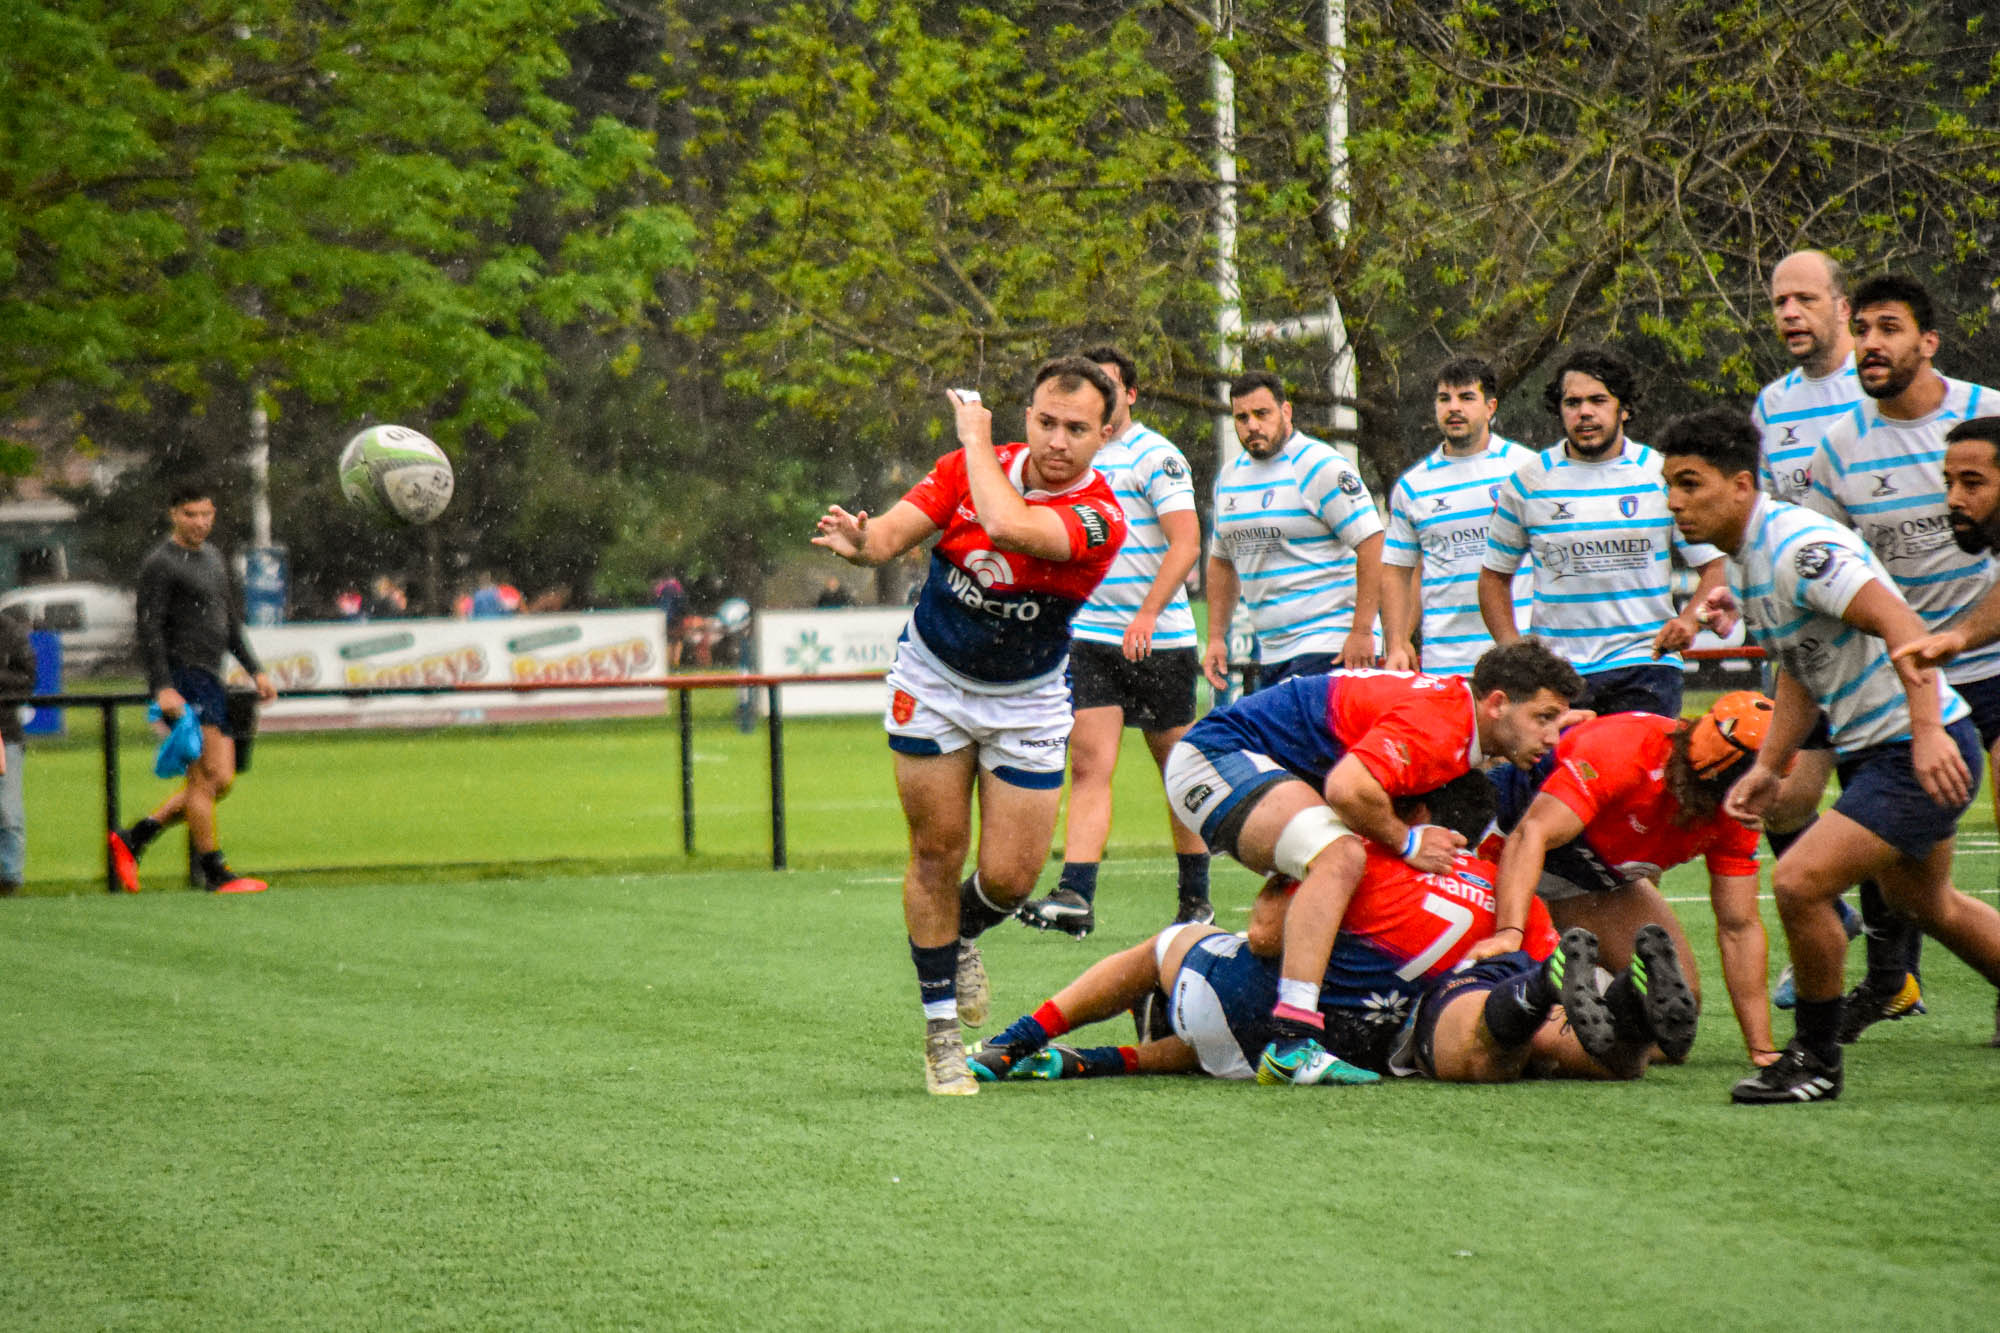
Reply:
x=1426, y=922
x=1000, y=619
x=1414, y=733
x=1612, y=772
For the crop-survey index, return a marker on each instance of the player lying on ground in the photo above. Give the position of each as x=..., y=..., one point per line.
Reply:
x=1296, y=777
x=1626, y=797
x=1394, y=998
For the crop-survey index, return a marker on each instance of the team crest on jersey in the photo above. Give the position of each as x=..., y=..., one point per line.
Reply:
x=902, y=707
x=1628, y=505
x=1174, y=468
x=1583, y=769
x=1096, y=529
x=1269, y=497
x=1396, y=750
x=1350, y=484
x=989, y=567
x=1814, y=561
x=1493, y=494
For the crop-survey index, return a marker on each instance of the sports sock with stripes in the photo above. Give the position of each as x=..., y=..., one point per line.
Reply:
x=937, y=978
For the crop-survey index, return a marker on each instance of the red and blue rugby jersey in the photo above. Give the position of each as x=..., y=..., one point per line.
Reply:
x=1413, y=733
x=1419, y=924
x=999, y=620
x=1611, y=771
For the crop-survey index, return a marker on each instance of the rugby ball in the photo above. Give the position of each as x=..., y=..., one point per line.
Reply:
x=395, y=473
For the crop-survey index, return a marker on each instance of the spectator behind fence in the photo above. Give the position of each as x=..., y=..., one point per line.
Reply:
x=17, y=682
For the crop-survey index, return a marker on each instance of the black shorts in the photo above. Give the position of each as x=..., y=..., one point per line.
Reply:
x=1156, y=692
x=1634, y=689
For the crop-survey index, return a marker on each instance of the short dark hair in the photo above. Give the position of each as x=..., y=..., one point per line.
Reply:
x=187, y=490
x=1104, y=354
x=1722, y=437
x=1252, y=380
x=1984, y=429
x=1466, y=805
x=1607, y=365
x=1524, y=668
x=1470, y=370
x=1885, y=288
x=1073, y=372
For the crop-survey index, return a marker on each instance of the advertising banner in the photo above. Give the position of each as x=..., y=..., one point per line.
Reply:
x=577, y=648
x=809, y=642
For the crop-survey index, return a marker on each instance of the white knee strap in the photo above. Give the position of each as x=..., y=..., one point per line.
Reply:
x=1310, y=832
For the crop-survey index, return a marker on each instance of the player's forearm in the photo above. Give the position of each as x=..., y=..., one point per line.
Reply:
x=1496, y=605
x=1367, y=584
x=1399, y=600
x=1363, y=805
x=1521, y=860
x=1980, y=625
x=1183, y=549
x=1739, y=939
x=1221, y=599
x=1878, y=610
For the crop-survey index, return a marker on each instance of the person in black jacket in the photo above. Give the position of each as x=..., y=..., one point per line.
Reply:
x=188, y=618
x=17, y=682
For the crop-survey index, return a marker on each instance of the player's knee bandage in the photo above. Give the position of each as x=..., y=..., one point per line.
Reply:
x=1310, y=832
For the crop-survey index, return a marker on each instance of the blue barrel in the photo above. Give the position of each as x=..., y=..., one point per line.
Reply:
x=48, y=680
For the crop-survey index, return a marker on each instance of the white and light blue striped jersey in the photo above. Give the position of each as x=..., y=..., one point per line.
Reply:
x=1792, y=414
x=1794, y=577
x=1289, y=524
x=1885, y=479
x=1603, y=544
x=1150, y=477
x=1438, y=515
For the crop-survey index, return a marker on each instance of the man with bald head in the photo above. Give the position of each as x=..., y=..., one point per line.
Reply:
x=1810, y=311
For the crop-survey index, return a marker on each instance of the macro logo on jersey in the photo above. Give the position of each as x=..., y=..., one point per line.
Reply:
x=1002, y=619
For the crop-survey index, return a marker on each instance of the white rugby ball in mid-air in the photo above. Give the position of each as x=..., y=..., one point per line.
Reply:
x=396, y=473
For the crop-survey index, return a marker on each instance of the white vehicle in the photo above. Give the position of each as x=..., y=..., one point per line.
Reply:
x=96, y=623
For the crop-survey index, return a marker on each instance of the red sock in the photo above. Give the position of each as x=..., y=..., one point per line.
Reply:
x=1310, y=1017
x=1052, y=1020
x=1130, y=1054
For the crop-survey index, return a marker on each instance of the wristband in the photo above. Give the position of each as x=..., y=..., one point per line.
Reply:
x=1413, y=839
x=1516, y=929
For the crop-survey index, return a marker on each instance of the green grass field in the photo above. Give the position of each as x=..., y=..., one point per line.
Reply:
x=692, y=1098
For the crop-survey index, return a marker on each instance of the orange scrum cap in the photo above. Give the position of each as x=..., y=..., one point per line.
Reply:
x=1732, y=730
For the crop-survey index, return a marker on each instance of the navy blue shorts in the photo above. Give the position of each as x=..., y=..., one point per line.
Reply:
x=1983, y=698
x=1879, y=791
x=1305, y=664
x=1634, y=689
x=1421, y=1047
x=204, y=694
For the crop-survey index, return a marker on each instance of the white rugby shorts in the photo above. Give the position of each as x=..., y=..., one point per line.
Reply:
x=1022, y=739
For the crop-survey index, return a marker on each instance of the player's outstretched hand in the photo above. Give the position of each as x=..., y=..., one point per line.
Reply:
x=844, y=534
x=1751, y=796
x=1436, y=849
x=1400, y=657
x=1928, y=653
x=1139, y=635
x=1675, y=635
x=1718, y=612
x=1940, y=767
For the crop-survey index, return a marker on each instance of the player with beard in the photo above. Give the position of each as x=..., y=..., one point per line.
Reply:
x=1882, y=474
x=1438, y=514
x=1972, y=489
x=1298, y=539
x=1593, y=512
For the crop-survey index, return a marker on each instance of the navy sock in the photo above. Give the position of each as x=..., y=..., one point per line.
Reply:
x=1192, y=868
x=975, y=914
x=1103, y=1061
x=1023, y=1032
x=1517, y=1007
x=1893, y=943
x=1819, y=1027
x=1080, y=878
x=937, y=971
x=214, y=869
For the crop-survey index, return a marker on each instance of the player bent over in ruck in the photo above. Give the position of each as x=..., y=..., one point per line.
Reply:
x=1398, y=997
x=978, y=702
x=1907, y=752
x=1296, y=777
